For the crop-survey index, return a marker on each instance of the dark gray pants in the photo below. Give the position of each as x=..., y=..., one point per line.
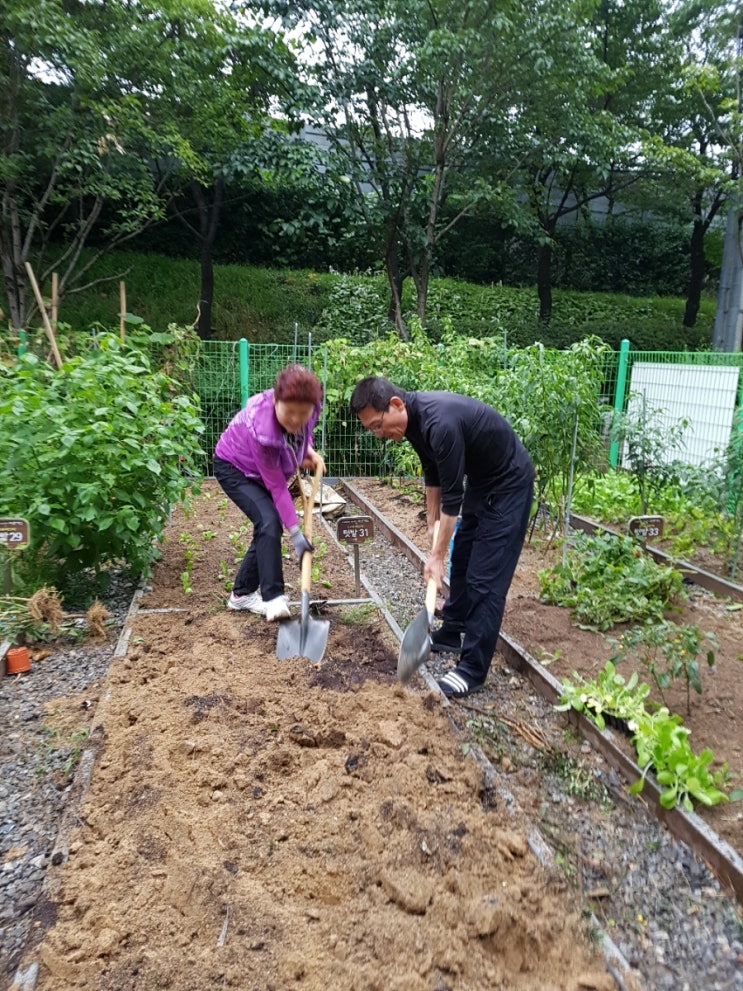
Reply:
x=261, y=567
x=486, y=551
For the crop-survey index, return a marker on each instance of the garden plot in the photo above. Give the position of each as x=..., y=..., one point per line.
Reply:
x=550, y=635
x=259, y=824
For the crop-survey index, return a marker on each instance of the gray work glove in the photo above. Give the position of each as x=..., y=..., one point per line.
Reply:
x=301, y=544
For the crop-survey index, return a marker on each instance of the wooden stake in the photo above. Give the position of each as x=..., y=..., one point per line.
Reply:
x=122, y=310
x=45, y=316
x=55, y=300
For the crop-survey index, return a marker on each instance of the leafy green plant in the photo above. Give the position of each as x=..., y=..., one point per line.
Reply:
x=661, y=742
x=321, y=549
x=690, y=501
x=610, y=692
x=225, y=575
x=646, y=441
x=608, y=579
x=668, y=651
x=734, y=491
x=189, y=557
x=551, y=399
x=94, y=456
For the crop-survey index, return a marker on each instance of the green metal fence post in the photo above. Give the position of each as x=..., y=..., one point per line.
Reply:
x=244, y=372
x=23, y=345
x=619, y=398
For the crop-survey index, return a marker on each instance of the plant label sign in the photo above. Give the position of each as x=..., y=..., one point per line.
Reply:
x=646, y=527
x=15, y=534
x=355, y=529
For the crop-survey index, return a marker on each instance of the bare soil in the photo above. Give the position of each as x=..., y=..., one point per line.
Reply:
x=259, y=824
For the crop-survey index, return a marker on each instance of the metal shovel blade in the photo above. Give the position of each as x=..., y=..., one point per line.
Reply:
x=416, y=642
x=415, y=647
x=304, y=637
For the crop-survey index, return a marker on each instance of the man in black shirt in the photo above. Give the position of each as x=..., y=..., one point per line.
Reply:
x=457, y=437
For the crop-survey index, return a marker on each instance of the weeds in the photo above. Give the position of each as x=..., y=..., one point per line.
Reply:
x=57, y=745
x=358, y=615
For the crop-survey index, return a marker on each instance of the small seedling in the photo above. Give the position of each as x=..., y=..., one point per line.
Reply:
x=668, y=652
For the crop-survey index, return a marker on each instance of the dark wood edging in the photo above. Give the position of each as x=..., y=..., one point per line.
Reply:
x=723, y=861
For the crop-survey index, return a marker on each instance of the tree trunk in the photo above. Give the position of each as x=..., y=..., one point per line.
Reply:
x=421, y=289
x=696, y=255
x=696, y=273
x=208, y=220
x=395, y=280
x=544, y=282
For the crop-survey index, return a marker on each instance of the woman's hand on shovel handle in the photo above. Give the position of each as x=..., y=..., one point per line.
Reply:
x=312, y=460
x=301, y=544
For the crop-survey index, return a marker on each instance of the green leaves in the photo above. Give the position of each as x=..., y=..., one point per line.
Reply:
x=94, y=456
x=610, y=693
x=609, y=579
x=668, y=651
x=659, y=738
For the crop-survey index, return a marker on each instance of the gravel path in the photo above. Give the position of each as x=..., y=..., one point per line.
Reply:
x=36, y=770
x=667, y=916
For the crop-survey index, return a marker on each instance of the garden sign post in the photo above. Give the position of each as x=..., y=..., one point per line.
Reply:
x=355, y=530
x=15, y=535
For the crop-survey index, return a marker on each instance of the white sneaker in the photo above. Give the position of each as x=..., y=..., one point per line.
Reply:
x=252, y=602
x=277, y=608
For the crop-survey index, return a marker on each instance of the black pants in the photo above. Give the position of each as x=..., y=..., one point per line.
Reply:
x=484, y=558
x=261, y=567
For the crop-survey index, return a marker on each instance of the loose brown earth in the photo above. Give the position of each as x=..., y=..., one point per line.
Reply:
x=263, y=825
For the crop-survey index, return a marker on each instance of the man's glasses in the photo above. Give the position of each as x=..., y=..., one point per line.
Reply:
x=376, y=425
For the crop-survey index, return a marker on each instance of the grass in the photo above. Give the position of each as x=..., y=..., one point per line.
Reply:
x=272, y=305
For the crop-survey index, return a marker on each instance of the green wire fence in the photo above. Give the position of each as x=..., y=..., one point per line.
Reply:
x=703, y=388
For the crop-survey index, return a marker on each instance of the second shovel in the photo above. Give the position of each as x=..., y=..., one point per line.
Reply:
x=415, y=647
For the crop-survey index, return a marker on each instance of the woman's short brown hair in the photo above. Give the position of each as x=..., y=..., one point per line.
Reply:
x=297, y=384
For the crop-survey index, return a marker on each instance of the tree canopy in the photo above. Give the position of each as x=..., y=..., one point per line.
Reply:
x=119, y=114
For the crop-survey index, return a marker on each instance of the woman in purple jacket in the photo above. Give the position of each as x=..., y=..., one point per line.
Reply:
x=266, y=443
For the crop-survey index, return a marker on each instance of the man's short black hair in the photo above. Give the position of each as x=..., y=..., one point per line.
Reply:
x=376, y=392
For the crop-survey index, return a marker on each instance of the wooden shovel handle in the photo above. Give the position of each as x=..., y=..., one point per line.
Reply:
x=431, y=584
x=309, y=505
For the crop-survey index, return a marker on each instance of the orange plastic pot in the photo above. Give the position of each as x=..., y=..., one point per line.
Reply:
x=17, y=660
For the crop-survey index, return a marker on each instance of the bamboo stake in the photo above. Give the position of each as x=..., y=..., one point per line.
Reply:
x=55, y=300
x=44, y=315
x=122, y=310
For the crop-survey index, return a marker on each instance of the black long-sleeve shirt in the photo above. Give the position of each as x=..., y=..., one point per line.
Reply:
x=457, y=436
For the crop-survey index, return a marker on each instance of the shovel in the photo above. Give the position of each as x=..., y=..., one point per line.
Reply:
x=306, y=636
x=416, y=642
